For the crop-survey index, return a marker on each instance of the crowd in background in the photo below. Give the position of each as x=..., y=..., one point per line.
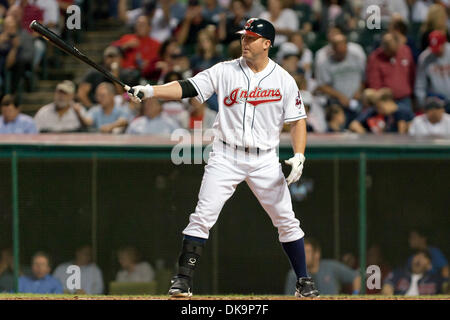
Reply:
x=424, y=272
x=42, y=276
x=354, y=76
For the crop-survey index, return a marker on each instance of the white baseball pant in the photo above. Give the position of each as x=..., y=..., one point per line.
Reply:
x=226, y=168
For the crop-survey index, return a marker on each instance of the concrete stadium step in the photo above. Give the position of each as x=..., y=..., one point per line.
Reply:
x=47, y=85
x=31, y=109
x=32, y=99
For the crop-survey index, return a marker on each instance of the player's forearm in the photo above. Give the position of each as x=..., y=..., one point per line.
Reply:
x=298, y=136
x=168, y=91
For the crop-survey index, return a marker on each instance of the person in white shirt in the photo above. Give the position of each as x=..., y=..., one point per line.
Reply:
x=132, y=269
x=434, y=122
x=61, y=115
x=256, y=98
x=153, y=120
x=285, y=20
x=91, y=278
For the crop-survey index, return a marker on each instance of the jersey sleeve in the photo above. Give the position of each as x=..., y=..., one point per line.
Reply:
x=294, y=108
x=205, y=82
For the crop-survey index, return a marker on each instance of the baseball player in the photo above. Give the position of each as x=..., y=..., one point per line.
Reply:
x=256, y=97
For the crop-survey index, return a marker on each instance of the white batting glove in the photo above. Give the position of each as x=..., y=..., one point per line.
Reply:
x=296, y=162
x=147, y=90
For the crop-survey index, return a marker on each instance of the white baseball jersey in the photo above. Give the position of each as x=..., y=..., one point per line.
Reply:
x=252, y=106
x=252, y=110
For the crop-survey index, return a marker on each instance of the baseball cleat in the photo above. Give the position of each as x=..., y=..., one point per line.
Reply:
x=181, y=287
x=305, y=288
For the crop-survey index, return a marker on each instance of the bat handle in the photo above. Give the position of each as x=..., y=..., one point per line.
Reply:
x=130, y=90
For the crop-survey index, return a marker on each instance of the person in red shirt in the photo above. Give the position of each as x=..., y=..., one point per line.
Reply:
x=392, y=66
x=139, y=50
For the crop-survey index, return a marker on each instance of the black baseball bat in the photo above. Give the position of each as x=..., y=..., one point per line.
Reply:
x=61, y=44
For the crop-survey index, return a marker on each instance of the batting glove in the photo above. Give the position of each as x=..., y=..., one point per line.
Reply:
x=146, y=90
x=296, y=162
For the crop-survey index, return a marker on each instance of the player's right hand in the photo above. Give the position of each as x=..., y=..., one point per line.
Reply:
x=146, y=90
x=296, y=162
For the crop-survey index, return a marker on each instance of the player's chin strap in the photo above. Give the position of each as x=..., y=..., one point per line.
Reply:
x=189, y=257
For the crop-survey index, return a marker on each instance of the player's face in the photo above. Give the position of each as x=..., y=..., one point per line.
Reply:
x=253, y=47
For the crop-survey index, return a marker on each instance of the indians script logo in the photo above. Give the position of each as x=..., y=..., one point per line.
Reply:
x=254, y=97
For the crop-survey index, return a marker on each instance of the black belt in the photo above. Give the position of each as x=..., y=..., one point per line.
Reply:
x=245, y=149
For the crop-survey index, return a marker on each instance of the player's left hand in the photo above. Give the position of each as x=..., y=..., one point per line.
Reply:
x=296, y=162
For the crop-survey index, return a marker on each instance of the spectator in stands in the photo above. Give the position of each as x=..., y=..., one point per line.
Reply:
x=234, y=49
x=437, y=19
x=384, y=116
x=152, y=121
x=12, y=121
x=177, y=109
x=433, y=69
x=350, y=260
x=392, y=66
x=207, y=53
x=232, y=22
x=6, y=270
x=140, y=52
x=41, y=281
x=61, y=115
x=335, y=118
x=190, y=26
x=329, y=275
x=399, y=28
x=305, y=54
x=316, y=116
x=254, y=8
x=284, y=20
x=201, y=116
x=169, y=53
x=130, y=17
x=50, y=13
x=323, y=53
x=211, y=11
x=289, y=59
x=418, y=241
x=107, y=116
x=165, y=20
x=415, y=281
x=337, y=13
x=435, y=122
x=132, y=268
x=4, y=6
x=91, y=279
x=341, y=77
x=375, y=257
x=26, y=11
x=388, y=10
x=162, y=19
x=112, y=59
x=16, y=51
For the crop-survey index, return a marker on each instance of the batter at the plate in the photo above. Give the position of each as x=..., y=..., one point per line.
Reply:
x=256, y=97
